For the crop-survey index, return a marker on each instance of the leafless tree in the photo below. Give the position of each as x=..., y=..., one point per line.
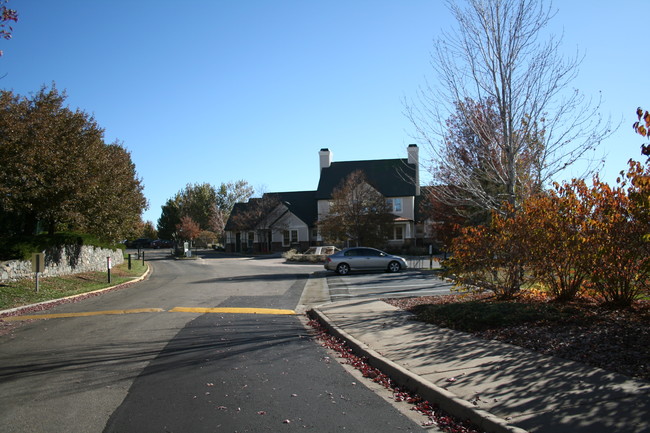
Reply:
x=534, y=127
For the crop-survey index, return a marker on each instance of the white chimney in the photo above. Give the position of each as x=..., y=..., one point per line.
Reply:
x=414, y=158
x=325, y=158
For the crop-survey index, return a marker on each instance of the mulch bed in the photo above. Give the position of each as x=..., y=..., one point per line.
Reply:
x=617, y=340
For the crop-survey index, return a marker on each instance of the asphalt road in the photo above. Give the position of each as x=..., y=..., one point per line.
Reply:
x=170, y=355
x=385, y=285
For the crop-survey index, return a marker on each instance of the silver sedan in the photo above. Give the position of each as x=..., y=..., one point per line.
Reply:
x=363, y=258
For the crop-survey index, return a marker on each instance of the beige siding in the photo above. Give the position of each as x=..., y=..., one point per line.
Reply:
x=290, y=222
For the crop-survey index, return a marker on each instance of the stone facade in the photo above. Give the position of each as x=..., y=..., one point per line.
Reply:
x=70, y=259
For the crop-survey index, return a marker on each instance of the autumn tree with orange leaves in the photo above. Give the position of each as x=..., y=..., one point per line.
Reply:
x=491, y=257
x=187, y=229
x=621, y=251
x=573, y=238
x=642, y=127
x=7, y=15
x=557, y=230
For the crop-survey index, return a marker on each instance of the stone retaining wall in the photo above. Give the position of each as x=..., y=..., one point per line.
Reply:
x=70, y=259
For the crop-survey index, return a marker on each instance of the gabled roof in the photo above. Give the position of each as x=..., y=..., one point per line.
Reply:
x=391, y=177
x=300, y=203
x=238, y=209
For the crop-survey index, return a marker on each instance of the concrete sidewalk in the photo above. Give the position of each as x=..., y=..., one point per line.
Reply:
x=500, y=387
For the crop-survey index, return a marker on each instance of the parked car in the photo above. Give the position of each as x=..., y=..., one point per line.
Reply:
x=363, y=258
x=139, y=243
x=161, y=243
x=325, y=250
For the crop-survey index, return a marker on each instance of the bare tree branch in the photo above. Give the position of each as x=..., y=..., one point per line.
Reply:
x=495, y=58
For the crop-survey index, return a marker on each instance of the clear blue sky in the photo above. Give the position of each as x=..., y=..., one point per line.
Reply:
x=216, y=91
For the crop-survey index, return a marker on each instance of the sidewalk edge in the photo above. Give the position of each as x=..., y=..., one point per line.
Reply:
x=447, y=401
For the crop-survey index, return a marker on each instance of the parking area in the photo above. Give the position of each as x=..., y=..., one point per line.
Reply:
x=386, y=285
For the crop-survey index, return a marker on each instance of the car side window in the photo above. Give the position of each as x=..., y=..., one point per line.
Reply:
x=350, y=253
x=372, y=253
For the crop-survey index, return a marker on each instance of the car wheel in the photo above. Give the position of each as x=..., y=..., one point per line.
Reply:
x=343, y=269
x=394, y=267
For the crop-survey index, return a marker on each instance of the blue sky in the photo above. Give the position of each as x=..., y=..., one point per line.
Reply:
x=216, y=91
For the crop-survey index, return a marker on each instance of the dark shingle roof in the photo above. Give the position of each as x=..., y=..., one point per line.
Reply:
x=238, y=209
x=301, y=203
x=391, y=177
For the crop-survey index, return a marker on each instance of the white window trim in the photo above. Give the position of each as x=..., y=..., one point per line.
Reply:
x=291, y=237
x=391, y=203
x=403, y=230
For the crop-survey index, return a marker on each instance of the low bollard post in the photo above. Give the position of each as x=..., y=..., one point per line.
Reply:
x=142, y=258
x=108, y=266
x=129, y=261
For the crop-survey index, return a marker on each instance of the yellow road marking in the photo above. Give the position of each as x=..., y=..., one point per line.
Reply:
x=150, y=310
x=232, y=310
x=85, y=314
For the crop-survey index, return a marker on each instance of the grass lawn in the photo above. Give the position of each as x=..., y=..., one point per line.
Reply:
x=23, y=292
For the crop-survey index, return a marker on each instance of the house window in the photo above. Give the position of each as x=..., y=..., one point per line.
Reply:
x=394, y=205
x=289, y=237
x=398, y=233
x=251, y=238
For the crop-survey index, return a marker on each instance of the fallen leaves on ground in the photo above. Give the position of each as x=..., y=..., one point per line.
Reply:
x=614, y=339
x=435, y=416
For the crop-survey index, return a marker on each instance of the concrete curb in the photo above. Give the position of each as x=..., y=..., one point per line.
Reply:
x=45, y=304
x=447, y=401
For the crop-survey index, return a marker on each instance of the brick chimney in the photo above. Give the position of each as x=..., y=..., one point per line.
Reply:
x=325, y=158
x=414, y=158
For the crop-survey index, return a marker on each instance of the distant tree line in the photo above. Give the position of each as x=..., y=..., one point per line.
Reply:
x=200, y=211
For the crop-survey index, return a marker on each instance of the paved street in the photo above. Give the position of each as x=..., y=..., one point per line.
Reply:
x=176, y=353
x=385, y=285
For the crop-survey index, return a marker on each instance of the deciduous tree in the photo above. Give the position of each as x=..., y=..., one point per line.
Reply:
x=230, y=193
x=621, y=269
x=492, y=257
x=445, y=220
x=56, y=170
x=198, y=202
x=558, y=234
x=509, y=92
x=115, y=197
x=257, y=213
x=358, y=213
x=7, y=15
x=149, y=230
x=208, y=206
x=187, y=229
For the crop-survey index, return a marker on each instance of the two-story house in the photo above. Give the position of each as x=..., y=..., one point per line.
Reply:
x=280, y=221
